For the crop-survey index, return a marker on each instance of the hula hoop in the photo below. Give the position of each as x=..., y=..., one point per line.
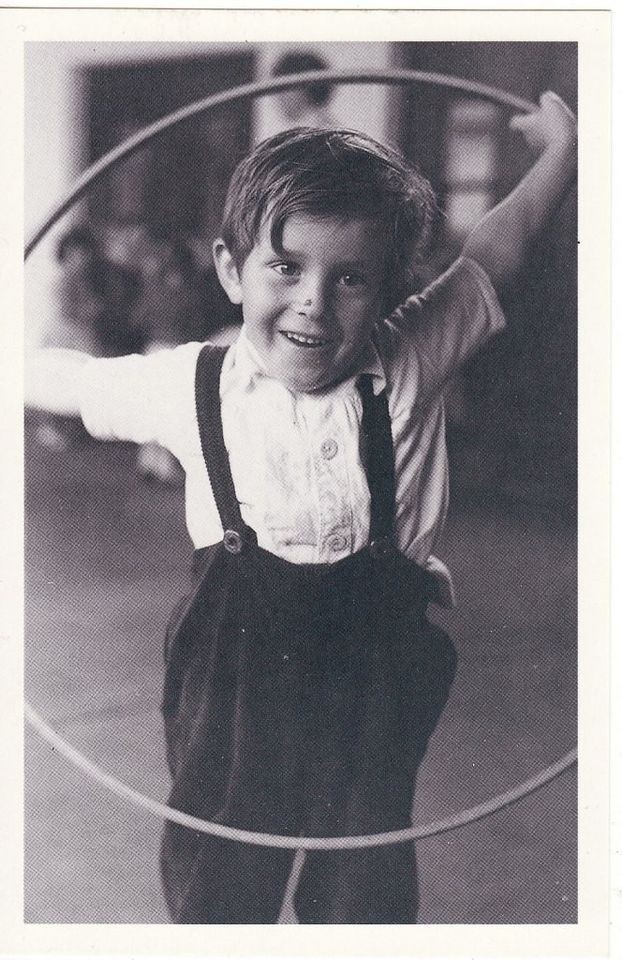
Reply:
x=91, y=175
x=165, y=812
x=250, y=91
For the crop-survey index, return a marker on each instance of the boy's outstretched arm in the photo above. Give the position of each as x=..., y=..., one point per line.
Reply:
x=52, y=380
x=501, y=241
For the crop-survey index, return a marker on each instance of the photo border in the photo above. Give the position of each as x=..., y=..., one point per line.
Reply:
x=591, y=30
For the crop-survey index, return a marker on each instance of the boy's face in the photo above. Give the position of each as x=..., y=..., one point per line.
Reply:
x=309, y=310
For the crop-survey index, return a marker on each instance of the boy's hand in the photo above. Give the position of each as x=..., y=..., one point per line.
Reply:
x=552, y=124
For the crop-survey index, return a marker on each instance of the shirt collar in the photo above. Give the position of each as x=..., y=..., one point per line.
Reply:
x=249, y=367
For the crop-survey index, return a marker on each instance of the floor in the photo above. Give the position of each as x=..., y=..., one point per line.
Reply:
x=107, y=555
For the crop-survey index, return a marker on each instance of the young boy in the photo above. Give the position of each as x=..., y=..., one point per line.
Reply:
x=303, y=677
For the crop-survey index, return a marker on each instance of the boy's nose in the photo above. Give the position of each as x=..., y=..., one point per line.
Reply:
x=313, y=300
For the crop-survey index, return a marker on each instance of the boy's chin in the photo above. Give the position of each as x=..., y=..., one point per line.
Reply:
x=308, y=381
x=307, y=373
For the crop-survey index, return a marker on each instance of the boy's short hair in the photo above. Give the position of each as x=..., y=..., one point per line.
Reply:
x=327, y=172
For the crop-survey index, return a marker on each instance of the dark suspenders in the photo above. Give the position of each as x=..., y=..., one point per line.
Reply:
x=376, y=431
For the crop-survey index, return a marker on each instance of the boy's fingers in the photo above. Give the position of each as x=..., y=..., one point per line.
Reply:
x=551, y=97
x=519, y=121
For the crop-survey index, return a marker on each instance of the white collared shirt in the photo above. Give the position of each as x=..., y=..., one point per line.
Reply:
x=295, y=458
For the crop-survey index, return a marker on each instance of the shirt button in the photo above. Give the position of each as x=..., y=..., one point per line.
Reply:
x=329, y=448
x=337, y=542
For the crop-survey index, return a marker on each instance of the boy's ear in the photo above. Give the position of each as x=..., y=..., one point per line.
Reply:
x=227, y=271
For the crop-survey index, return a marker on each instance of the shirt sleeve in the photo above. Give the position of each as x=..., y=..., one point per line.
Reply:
x=142, y=398
x=442, y=326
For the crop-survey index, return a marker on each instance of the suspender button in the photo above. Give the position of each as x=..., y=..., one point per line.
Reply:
x=233, y=541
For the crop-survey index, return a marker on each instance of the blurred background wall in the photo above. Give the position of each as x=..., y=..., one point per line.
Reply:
x=135, y=267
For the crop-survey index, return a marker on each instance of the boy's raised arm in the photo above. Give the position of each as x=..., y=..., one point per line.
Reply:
x=52, y=380
x=501, y=241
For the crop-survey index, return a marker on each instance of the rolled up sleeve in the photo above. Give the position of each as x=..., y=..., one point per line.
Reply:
x=446, y=323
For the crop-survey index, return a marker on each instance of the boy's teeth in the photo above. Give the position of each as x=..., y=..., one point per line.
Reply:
x=300, y=338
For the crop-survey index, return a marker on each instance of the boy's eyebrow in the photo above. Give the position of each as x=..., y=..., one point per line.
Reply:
x=342, y=264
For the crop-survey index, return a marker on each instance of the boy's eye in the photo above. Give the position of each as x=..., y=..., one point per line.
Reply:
x=286, y=269
x=351, y=280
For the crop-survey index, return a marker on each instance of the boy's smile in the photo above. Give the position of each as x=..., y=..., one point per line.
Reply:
x=309, y=309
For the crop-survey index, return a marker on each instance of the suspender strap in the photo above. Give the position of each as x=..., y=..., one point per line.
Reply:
x=376, y=428
x=207, y=394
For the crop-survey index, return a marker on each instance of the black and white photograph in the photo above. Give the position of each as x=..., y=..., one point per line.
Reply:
x=301, y=326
